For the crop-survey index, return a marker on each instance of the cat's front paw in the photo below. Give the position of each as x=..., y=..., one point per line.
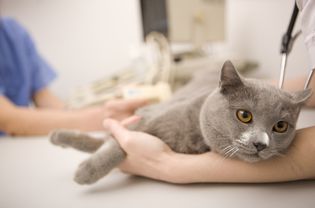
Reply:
x=86, y=173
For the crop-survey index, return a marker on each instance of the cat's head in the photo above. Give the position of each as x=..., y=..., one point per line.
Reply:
x=249, y=119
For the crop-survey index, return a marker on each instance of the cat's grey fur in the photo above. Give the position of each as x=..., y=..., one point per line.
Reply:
x=198, y=119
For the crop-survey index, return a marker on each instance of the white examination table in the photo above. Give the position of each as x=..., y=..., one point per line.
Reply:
x=36, y=174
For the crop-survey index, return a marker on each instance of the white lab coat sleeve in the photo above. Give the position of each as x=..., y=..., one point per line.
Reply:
x=307, y=8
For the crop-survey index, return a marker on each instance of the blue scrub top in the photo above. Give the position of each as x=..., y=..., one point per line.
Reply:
x=22, y=70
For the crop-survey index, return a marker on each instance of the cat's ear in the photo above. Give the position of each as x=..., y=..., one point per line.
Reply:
x=302, y=96
x=230, y=79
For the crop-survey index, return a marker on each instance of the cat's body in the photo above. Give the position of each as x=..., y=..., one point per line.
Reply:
x=240, y=118
x=176, y=123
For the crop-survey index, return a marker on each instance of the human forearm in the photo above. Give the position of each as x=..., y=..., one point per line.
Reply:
x=15, y=120
x=46, y=99
x=297, y=164
x=25, y=121
x=198, y=170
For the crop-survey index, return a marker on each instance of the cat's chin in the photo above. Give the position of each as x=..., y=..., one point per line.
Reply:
x=251, y=158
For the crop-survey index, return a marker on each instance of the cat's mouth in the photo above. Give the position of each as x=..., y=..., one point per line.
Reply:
x=242, y=152
x=248, y=154
x=245, y=152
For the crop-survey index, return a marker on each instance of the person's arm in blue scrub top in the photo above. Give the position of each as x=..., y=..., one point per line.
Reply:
x=28, y=73
x=15, y=120
x=44, y=98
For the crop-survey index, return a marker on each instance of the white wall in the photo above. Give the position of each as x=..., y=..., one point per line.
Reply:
x=82, y=39
x=255, y=28
x=86, y=39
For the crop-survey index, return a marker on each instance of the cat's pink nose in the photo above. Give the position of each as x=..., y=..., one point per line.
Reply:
x=259, y=146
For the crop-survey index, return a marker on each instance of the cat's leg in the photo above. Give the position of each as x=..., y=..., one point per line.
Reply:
x=76, y=140
x=100, y=163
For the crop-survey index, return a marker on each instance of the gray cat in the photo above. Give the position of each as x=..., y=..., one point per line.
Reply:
x=242, y=118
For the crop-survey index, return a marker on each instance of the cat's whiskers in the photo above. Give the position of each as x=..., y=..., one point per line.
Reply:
x=229, y=150
x=219, y=161
x=224, y=150
x=233, y=153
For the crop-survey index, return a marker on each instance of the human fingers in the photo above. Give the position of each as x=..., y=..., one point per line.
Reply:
x=133, y=104
x=117, y=130
x=130, y=120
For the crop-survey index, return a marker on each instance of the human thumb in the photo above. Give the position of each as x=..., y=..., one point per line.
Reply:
x=116, y=129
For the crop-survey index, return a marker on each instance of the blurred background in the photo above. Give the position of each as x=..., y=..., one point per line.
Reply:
x=85, y=40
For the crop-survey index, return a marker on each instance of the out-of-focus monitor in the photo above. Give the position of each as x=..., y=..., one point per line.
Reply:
x=187, y=21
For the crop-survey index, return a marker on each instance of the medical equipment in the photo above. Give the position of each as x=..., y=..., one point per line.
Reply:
x=151, y=77
x=286, y=47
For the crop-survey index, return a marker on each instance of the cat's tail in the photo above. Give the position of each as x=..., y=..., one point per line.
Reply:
x=107, y=157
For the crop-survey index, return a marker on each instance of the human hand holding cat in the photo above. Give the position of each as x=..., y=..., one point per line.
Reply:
x=150, y=157
x=121, y=109
x=146, y=154
x=118, y=109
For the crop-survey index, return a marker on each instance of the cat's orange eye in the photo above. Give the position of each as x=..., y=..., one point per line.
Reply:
x=280, y=127
x=244, y=116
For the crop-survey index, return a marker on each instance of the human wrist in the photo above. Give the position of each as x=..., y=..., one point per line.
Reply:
x=91, y=119
x=172, y=167
x=199, y=168
x=166, y=166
